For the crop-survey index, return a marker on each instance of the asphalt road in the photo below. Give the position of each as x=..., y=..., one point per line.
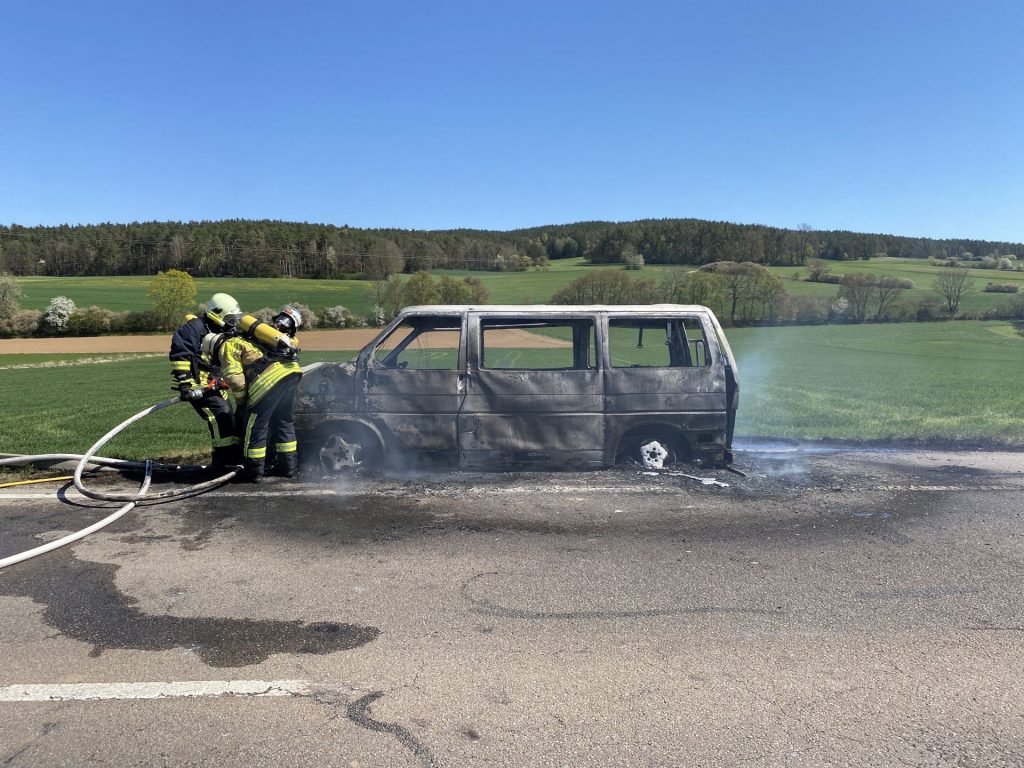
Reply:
x=832, y=608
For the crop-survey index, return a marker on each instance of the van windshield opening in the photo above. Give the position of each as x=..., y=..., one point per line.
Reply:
x=424, y=343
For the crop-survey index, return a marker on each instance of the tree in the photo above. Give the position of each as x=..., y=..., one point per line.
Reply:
x=421, y=289
x=856, y=289
x=385, y=260
x=454, y=291
x=478, y=293
x=387, y=297
x=952, y=285
x=10, y=292
x=631, y=258
x=886, y=289
x=171, y=293
x=816, y=271
x=739, y=282
x=58, y=313
x=603, y=286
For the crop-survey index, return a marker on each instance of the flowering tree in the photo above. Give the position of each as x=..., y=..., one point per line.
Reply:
x=58, y=313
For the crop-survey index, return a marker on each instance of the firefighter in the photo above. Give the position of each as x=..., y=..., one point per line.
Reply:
x=263, y=383
x=201, y=385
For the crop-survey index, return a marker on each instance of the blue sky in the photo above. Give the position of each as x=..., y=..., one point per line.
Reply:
x=897, y=117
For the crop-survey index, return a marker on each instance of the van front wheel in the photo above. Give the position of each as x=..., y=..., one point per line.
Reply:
x=347, y=449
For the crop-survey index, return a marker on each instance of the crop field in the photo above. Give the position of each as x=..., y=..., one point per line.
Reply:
x=129, y=293
x=955, y=382
x=919, y=271
x=532, y=287
x=914, y=381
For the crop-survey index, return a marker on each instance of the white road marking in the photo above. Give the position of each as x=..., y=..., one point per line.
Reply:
x=157, y=690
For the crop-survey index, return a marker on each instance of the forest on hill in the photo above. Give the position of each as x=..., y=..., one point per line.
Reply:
x=244, y=248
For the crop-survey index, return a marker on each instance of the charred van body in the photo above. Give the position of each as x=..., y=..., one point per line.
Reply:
x=495, y=387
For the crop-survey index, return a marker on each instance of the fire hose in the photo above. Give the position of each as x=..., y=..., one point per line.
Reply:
x=132, y=499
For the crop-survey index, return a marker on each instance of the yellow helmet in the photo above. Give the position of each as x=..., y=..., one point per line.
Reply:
x=223, y=310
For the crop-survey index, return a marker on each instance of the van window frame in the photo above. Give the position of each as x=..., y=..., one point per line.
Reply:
x=710, y=353
x=481, y=320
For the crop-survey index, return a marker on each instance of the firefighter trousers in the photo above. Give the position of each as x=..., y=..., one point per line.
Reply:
x=215, y=410
x=271, y=420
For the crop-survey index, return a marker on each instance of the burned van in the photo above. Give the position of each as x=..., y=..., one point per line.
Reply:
x=498, y=387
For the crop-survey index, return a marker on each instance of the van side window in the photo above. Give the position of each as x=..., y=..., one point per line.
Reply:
x=656, y=343
x=421, y=343
x=537, y=344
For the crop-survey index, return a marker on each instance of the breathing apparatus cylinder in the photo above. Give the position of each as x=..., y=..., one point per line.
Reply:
x=265, y=335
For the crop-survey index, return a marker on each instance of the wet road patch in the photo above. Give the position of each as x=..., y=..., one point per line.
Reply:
x=83, y=603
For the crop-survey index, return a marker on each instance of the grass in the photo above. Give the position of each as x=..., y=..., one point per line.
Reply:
x=532, y=287
x=955, y=382
x=919, y=271
x=934, y=381
x=129, y=293
x=66, y=409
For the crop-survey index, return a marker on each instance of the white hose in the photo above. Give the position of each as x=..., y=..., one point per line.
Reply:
x=23, y=460
x=132, y=499
x=57, y=543
x=170, y=494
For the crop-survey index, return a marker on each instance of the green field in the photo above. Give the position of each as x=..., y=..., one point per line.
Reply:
x=129, y=293
x=919, y=271
x=955, y=382
x=912, y=381
x=532, y=287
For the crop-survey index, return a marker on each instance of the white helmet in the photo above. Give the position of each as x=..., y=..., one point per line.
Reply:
x=288, y=320
x=223, y=310
x=211, y=346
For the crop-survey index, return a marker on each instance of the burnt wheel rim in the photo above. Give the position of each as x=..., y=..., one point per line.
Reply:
x=338, y=454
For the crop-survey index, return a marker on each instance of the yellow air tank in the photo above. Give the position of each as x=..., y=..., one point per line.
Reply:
x=264, y=333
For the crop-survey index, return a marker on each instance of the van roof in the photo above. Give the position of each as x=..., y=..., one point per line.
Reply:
x=548, y=309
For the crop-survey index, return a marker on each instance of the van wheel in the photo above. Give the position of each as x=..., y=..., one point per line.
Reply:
x=652, y=450
x=347, y=449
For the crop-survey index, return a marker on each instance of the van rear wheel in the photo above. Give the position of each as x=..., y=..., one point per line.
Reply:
x=652, y=449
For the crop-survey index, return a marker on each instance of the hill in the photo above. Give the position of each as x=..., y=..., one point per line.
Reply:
x=242, y=248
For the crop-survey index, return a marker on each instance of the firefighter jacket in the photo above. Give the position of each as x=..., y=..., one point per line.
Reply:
x=187, y=367
x=251, y=373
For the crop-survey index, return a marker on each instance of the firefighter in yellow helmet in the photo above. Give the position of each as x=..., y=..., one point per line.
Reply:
x=262, y=383
x=199, y=384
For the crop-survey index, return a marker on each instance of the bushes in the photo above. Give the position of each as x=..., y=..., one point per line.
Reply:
x=1001, y=288
x=24, y=322
x=829, y=277
x=93, y=321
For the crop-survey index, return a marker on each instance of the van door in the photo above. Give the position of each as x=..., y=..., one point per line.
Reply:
x=534, y=393
x=665, y=378
x=413, y=381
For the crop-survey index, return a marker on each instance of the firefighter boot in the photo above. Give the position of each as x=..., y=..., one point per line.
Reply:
x=252, y=471
x=225, y=457
x=286, y=465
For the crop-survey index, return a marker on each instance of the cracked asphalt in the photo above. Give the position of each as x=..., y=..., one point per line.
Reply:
x=833, y=607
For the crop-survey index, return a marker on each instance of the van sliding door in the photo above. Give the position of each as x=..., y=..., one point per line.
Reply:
x=534, y=393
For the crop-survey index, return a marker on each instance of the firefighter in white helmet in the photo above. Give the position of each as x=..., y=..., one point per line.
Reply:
x=200, y=384
x=263, y=383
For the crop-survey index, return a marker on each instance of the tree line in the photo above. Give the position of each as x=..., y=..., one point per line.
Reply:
x=243, y=248
x=744, y=293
